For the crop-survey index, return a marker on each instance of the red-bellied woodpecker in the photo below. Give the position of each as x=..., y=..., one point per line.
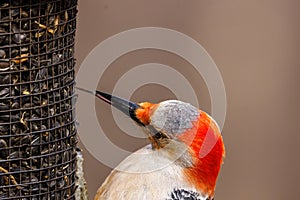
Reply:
x=186, y=150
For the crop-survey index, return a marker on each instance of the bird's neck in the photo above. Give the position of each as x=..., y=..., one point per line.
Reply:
x=207, y=150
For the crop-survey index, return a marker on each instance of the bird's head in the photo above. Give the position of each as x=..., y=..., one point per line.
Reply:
x=179, y=128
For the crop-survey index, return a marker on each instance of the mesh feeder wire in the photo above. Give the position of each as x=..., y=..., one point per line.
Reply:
x=37, y=116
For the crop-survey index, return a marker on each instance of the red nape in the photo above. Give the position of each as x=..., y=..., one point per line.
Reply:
x=206, y=145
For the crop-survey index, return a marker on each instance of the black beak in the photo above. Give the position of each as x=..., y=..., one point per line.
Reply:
x=125, y=106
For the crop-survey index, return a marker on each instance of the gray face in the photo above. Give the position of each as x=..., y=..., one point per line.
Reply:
x=174, y=117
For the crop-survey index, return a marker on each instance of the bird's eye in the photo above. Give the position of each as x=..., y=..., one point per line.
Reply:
x=160, y=135
x=156, y=134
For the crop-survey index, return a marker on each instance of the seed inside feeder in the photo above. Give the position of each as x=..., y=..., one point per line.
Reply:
x=37, y=122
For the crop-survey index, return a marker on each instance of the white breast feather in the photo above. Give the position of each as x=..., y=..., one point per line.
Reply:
x=154, y=184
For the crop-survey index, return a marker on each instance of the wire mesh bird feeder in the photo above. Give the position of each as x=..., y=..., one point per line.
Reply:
x=37, y=120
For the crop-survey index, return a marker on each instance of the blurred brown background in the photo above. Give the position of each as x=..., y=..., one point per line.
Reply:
x=255, y=44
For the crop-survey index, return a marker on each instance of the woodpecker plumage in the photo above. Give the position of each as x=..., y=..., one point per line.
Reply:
x=182, y=161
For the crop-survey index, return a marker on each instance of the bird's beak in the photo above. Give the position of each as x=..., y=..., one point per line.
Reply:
x=137, y=112
x=127, y=107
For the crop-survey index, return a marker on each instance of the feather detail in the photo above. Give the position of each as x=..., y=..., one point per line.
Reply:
x=144, y=113
x=183, y=194
x=206, y=146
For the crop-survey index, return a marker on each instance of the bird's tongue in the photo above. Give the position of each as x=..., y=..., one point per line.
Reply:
x=125, y=106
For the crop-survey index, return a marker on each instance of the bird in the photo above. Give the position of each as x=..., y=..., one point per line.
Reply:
x=182, y=161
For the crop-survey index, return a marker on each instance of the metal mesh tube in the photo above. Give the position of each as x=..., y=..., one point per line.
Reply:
x=37, y=118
